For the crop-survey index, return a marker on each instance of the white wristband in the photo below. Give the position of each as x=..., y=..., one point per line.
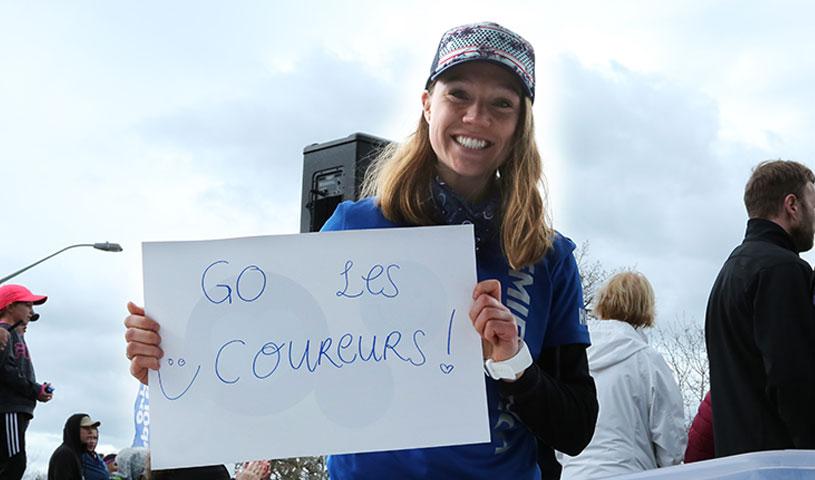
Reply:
x=510, y=368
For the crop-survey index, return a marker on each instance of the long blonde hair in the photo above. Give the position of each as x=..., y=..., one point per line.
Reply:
x=400, y=179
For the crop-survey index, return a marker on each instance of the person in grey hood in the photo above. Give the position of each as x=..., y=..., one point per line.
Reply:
x=134, y=463
x=641, y=423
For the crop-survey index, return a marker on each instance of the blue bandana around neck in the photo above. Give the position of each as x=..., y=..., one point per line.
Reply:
x=454, y=210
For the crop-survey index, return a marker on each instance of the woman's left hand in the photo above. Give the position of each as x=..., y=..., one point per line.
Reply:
x=494, y=322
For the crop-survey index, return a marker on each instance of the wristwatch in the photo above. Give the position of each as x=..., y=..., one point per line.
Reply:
x=510, y=368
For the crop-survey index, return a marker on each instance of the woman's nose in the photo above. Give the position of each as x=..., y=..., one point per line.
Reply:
x=476, y=113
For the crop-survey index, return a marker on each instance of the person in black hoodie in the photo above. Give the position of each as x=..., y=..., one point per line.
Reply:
x=760, y=322
x=65, y=463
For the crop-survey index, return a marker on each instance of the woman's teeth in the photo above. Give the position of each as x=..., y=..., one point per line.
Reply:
x=473, y=143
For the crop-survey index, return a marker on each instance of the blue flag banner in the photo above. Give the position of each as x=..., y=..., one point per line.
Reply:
x=141, y=418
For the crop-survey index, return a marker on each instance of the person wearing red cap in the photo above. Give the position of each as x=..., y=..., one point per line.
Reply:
x=19, y=390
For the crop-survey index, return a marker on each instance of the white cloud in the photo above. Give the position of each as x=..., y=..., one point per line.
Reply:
x=647, y=178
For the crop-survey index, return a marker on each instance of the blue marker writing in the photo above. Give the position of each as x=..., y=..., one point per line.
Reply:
x=446, y=368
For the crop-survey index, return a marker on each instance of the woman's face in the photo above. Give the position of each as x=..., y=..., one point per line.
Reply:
x=472, y=112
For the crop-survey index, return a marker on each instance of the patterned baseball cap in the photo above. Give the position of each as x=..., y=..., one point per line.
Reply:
x=490, y=42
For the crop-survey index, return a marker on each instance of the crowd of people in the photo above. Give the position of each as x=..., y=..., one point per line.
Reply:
x=76, y=459
x=567, y=397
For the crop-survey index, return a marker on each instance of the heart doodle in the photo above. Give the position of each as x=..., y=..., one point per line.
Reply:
x=446, y=368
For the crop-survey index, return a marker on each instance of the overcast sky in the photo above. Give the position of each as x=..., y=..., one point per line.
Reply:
x=134, y=121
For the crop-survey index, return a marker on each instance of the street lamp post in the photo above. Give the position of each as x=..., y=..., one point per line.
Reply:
x=105, y=247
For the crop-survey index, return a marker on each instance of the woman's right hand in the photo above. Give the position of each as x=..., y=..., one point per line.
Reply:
x=143, y=342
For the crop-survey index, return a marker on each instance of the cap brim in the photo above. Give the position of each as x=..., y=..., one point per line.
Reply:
x=88, y=422
x=455, y=63
x=35, y=299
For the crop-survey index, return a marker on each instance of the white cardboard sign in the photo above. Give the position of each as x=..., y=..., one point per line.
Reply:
x=311, y=344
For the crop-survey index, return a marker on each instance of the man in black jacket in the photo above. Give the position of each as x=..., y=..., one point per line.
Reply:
x=760, y=322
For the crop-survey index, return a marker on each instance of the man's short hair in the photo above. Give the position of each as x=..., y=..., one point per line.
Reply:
x=628, y=297
x=771, y=181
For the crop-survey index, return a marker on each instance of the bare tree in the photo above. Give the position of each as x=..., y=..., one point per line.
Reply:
x=592, y=274
x=682, y=344
x=299, y=468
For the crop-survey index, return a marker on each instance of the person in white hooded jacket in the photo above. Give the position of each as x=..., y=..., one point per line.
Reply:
x=641, y=424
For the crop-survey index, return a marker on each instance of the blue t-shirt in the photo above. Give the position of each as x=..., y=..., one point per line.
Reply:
x=546, y=299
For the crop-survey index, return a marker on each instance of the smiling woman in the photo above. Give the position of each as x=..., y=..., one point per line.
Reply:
x=473, y=159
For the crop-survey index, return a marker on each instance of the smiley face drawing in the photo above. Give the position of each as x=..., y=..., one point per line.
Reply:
x=179, y=363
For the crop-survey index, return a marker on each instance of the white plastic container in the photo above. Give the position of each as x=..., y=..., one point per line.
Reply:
x=772, y=465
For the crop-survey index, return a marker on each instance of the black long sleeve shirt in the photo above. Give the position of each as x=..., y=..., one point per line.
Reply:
x=557, y=400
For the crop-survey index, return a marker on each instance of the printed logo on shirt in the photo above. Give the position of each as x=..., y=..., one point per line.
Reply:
x=584, y=316
x=21, y=351
x=517, y=295
x=517, y=300
x=507, y=421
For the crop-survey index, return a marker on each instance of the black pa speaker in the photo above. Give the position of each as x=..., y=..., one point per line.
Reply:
x=332, y=172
